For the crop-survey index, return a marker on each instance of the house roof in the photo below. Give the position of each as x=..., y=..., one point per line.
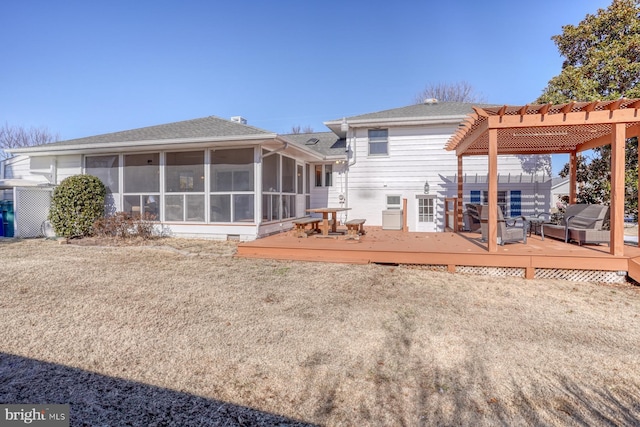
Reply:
x=210, y=128
x=324, y=143
x=417, y=114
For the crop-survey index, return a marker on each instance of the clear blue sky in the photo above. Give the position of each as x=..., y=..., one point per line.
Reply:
x=83, y=68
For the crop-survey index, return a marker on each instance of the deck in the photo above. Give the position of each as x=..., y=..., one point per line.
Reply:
x=455, y=252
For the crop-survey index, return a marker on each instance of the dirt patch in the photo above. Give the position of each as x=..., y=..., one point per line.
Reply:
x=189, y=335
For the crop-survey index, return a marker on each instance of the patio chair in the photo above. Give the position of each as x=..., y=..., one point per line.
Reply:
x=509, y=229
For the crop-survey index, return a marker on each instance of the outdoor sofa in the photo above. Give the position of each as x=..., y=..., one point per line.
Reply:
x=582, y=223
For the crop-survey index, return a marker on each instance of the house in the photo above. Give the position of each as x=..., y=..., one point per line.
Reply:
x=220, y=178
x=559, y=191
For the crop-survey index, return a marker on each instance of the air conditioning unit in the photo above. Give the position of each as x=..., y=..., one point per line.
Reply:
x=392, y=219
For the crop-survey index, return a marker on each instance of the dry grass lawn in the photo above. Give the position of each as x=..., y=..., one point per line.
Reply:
x=186, y=333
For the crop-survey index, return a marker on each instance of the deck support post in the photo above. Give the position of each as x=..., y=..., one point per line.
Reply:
x=529, y=273
x=459, y=203
x=492, y=225
x=573, y=177
x=616, y=214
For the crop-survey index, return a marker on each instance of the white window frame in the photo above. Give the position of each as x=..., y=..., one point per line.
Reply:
x=324, y=176
x=391, y=205
x=377, y=140
x=421, y=215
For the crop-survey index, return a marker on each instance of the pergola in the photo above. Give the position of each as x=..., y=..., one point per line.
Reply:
x=550, y=129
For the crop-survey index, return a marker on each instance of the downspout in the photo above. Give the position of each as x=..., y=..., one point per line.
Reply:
x=53, y=170
x=345, y=127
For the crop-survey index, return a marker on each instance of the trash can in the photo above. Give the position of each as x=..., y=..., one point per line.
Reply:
x=392, y=219
x=7, y=214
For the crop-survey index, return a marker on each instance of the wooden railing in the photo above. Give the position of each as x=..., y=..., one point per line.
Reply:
x=451, y=222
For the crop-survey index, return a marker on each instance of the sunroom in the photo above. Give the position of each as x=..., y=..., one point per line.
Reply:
x=242, y=186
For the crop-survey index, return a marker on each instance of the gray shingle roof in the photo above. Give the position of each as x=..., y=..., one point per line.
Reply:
x=421, y=110
x=206, y=127
x=328, y=143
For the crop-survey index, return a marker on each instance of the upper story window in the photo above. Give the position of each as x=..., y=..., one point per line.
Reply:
x=378, y=142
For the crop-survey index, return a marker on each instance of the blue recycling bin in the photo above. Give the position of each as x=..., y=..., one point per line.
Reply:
x=7, y=218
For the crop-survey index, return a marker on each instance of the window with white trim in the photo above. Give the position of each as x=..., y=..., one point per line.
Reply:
x=232, y=185
x=324, y=175
x=394, y=202
x=378, y=142
x=184, y=186
x=142, y=184
x=426, y=209
x=106, y=168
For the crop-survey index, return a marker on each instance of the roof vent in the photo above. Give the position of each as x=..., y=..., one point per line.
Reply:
x=239, y=119
x=431, y=101
x=312, y=141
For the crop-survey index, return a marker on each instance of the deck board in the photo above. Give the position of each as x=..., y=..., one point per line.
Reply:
x=442, y=248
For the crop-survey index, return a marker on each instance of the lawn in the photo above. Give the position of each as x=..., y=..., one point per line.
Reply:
x=182, y=333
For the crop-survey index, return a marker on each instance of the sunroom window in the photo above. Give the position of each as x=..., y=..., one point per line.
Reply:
x=184, y=186
x=106, y=168
x=232, y=185
x=142, y=184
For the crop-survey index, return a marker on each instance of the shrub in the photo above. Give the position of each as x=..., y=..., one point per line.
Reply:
x=76, y=204
x=122, y=225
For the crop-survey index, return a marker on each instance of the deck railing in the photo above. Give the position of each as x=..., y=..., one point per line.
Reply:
x=451, y=222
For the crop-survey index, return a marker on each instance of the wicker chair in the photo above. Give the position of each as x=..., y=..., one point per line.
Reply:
x=509, y=229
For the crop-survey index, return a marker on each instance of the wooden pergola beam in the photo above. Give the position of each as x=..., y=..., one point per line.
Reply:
x=616, y=213
x=590, y=107
x=630, y=132
x=625, y=115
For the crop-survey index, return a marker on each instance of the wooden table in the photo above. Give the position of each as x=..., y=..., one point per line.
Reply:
x=329, y=220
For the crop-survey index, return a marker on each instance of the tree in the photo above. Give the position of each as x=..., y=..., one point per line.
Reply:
x=602, y=56
x=297, y=129
x=449, y=92
x=602, y=62
x=534, y=163
x=18, y=137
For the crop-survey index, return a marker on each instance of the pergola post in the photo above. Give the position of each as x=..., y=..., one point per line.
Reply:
x=616, y=214
x=573, y=177
x=492, y=226
x=459, y=203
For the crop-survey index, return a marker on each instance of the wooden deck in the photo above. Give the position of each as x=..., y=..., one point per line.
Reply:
x=454, y=252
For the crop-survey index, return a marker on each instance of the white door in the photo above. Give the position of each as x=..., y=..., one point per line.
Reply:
x=426, y=215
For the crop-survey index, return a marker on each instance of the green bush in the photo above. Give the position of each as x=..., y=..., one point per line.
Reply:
x=77, y=202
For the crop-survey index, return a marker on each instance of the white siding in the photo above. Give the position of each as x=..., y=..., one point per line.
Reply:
x=417, y=155
x=68, y=166
x=330, y=196
x=20, y=168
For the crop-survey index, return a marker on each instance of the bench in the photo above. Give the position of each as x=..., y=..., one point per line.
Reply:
x=582, y=223
x=355, y=228
x=300, y=226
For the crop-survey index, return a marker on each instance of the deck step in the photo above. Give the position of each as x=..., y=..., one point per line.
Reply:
x=634, y=269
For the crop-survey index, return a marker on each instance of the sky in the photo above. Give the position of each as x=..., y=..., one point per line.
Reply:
x=82, y=68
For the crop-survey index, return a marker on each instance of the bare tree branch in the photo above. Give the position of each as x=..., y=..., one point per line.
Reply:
x=297, y=129
x=449, y=92
x=19, y=137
